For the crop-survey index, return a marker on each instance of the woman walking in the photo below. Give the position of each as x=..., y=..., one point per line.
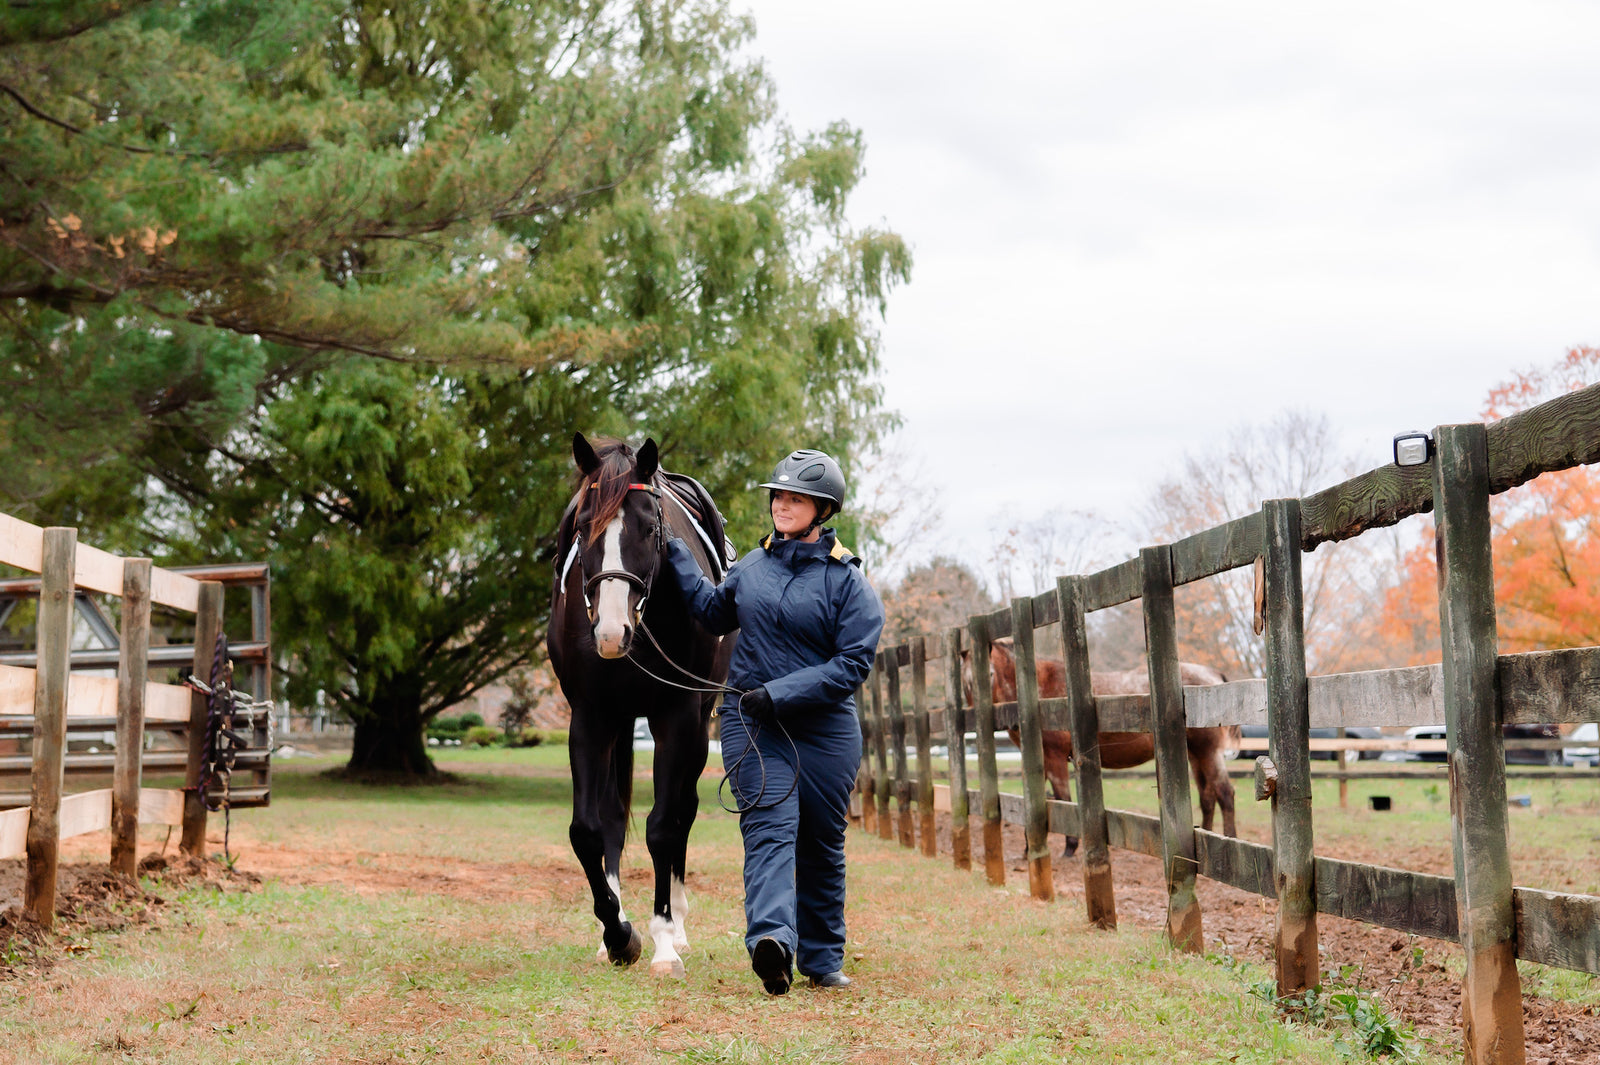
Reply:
x=808, y=626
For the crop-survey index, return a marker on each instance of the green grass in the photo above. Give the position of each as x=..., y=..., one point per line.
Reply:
x=1555, y=842
x=434, y=969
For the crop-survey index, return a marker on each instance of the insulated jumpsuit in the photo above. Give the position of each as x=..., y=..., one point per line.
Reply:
x=808, y=626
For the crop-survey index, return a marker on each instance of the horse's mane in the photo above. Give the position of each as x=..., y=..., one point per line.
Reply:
x=605, y=490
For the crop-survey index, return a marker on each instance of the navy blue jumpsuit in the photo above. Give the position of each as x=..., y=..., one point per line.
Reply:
x=808, y=626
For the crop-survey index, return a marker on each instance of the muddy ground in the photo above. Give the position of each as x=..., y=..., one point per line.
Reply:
x=91, y=898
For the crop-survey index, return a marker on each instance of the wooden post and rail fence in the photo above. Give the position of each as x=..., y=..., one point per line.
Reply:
x=1475, y=691
x=41, y=697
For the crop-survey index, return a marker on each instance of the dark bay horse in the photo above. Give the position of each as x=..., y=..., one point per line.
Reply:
x=1124, y=750
x=611, y=548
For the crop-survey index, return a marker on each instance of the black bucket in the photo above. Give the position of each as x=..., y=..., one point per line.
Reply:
x=1379, y=802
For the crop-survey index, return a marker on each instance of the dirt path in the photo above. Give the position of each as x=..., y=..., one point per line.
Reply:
x=1414, y=975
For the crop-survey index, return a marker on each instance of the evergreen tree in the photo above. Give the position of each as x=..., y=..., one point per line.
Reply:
x=333, y=282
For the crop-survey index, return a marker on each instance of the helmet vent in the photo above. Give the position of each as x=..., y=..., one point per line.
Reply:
x=813, y=472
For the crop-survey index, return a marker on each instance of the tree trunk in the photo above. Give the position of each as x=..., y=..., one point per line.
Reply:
x=390, y=736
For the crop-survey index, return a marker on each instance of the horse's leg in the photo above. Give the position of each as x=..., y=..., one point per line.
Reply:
x=1057, y=766
x=680, y=756
x=1224, y=793
x=688, y=810
x=659, y=833
x=614, y=836
x=1216, y=789
x=599, y=821
x=1205, y=783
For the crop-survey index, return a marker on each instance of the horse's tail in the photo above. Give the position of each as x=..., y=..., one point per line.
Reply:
x=622, y=770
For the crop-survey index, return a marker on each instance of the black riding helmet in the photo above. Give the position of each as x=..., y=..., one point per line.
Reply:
x=811, y=473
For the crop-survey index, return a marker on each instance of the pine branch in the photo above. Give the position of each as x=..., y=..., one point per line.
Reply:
x=99, y=15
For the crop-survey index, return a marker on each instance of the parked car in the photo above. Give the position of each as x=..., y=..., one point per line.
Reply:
x=642, y=739
x=1589, y=756
x=1354, y=732
x=1533, y=732
x=1511, y=732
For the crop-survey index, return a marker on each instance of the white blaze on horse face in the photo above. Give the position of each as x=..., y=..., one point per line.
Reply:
x=680, y=916
x=611, y=598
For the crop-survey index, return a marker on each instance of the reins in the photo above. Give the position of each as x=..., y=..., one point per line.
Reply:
x=713, y=688
x=709, y=687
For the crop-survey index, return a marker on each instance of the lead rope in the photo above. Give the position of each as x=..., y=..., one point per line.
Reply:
x=713, y=688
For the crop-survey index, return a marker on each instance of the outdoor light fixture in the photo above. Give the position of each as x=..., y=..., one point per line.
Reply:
x=1412, y=449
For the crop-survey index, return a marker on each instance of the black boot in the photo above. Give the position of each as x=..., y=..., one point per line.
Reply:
x=831, y=980
x=770, y=960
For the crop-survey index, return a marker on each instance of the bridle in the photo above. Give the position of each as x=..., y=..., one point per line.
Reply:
x=701, y=684
x=643, y=584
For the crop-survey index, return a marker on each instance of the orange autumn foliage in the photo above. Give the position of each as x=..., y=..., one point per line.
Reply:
x=1546, y=537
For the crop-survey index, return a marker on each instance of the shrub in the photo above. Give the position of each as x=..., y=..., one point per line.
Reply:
x=471, y=720
x=517, y=713
x=483, y=736
x=557, y=736
x=446, y=727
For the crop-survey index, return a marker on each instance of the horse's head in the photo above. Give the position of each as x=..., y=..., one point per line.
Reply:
x=619, y=524
x=1002, y=673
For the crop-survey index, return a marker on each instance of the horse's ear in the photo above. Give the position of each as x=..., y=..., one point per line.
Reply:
x=646, y=462
x=584, y=455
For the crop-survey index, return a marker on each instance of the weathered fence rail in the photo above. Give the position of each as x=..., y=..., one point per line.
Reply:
x=41, y=698
x=1474, y=691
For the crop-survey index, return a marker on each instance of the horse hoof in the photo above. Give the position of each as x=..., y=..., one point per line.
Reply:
x=628, y=953
x=673, y=968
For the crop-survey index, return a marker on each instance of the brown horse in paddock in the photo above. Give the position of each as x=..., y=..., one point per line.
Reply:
x=1121, y=750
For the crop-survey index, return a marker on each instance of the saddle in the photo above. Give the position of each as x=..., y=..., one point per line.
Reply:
x=707, y=519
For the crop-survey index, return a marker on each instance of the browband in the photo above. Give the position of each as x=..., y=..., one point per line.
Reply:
x=641, y=487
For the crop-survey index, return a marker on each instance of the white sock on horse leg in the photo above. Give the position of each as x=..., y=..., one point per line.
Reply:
x=603, y=955
x=680, y=915
x=665, y=961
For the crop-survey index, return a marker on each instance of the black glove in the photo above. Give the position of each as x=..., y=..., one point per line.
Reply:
x=757, y=704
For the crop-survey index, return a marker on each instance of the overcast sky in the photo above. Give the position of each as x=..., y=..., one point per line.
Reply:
x=1138, y=225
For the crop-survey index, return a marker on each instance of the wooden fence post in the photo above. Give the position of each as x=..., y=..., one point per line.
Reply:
x=922, y=730
x=1172, y=750
x=1094, y=848
x=51, y=677
x=132, y=673
x=207, y=624
x=261, y=673
x=897, y=736
x=881, y=744
x=955, y=734
x=1288, y=731
x=1492, y=991
x=994, y=852
x=864, y=782
x=1036, y=815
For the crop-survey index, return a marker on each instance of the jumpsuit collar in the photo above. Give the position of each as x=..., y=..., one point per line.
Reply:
x=796, y=553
